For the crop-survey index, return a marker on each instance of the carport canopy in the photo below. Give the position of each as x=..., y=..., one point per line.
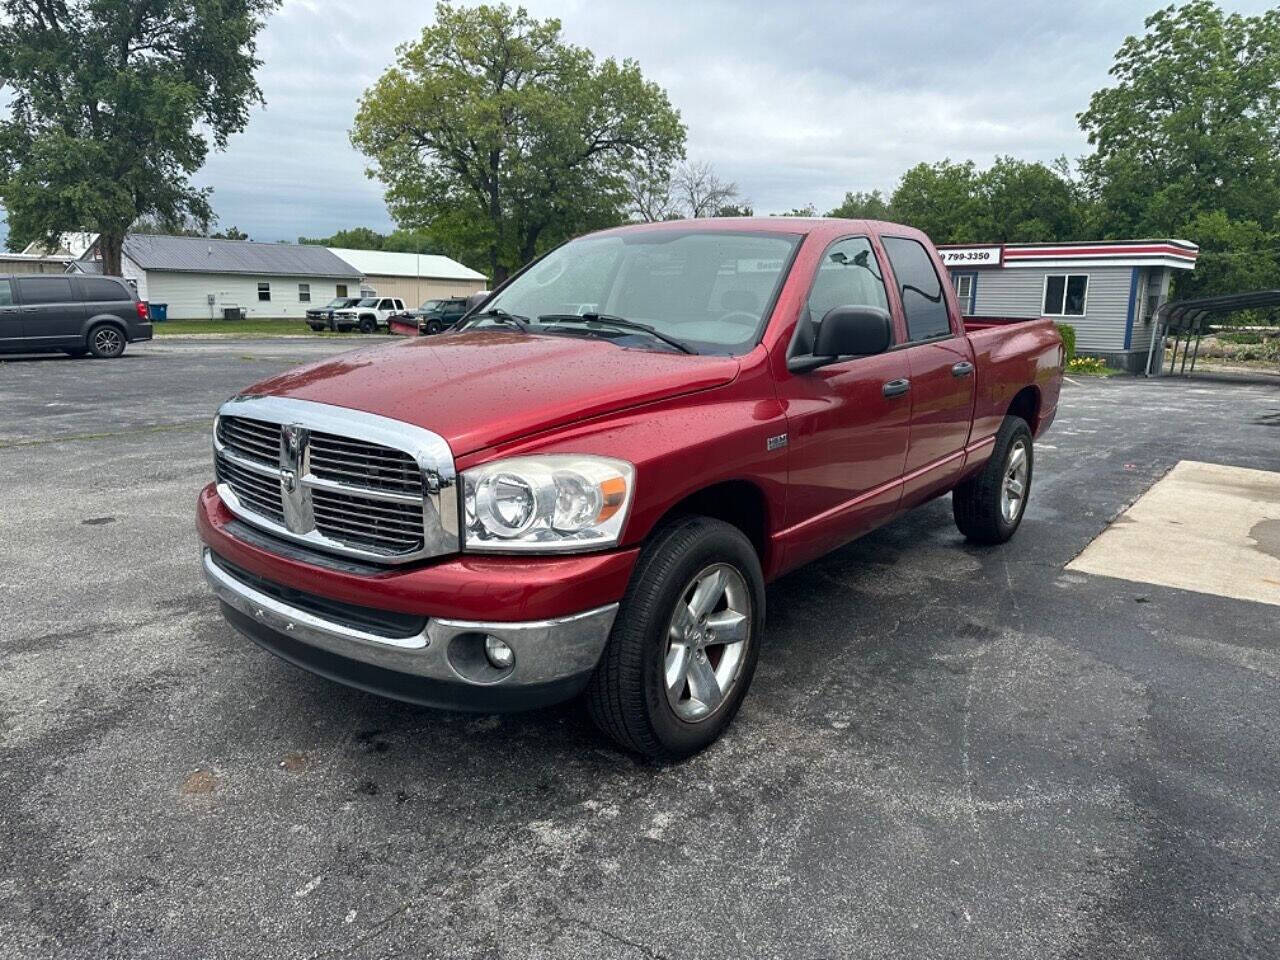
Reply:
x=1189, y=317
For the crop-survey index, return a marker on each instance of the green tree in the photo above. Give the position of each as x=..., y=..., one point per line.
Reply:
x=1191, y=124
x=355, y=238
x=1236, y=256
x=939, y=199
x=1019, y=202
x=231, y=233
x=115, y=104
x=863, y=206
x=503, y=139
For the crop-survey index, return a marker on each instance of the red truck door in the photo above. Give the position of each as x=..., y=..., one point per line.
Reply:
x=942, y=373
x=847, y=422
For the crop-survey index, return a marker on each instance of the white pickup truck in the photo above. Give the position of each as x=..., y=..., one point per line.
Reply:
x=369, y=314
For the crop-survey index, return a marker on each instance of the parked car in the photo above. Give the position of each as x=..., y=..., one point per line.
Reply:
x=556, y=500
x=436, y=316
x=76, y=315
x=369, y=314
x=321, y=318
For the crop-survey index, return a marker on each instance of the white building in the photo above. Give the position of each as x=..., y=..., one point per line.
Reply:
x=413, y=277
x=201, y=278
x=1108, y=290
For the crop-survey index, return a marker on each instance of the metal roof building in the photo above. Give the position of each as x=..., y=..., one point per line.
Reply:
x=413, y=277
x=202, y=278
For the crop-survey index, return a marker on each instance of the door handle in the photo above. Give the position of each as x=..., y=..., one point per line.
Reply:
x=962, y=369
x=895, y=388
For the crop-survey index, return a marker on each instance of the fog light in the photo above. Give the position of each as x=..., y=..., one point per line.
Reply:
x=499, y=654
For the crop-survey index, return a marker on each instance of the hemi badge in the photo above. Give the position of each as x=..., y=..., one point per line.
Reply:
x=776, y=443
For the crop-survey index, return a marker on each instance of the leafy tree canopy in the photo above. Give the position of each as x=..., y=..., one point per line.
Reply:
x=863, y=206
x=501, y=139
x=1192, y=123
x=366, y=238
x=115, y=104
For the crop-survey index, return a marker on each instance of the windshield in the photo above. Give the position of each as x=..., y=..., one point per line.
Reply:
x=430, y=304
x=368, y=302
x=338, y=302
x=707, y=289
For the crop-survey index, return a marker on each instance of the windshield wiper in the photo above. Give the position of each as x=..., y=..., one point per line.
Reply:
x=620, y=322
x=502, y=317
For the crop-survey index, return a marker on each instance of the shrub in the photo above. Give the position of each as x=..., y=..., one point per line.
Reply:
x=1068, y=339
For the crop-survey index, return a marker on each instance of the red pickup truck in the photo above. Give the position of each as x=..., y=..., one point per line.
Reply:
x=586, y=487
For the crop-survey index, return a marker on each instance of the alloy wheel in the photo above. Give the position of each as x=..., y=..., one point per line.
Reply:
x=1013, y=490
x=707, y=641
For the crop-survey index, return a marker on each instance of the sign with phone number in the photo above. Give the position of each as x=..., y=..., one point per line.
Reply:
x=971, y=256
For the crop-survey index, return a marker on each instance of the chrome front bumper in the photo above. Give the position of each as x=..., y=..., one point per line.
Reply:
x=553, y=658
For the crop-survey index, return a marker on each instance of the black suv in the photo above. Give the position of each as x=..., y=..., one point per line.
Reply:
x=437, y=315
x=321, y=318
x=40, y=313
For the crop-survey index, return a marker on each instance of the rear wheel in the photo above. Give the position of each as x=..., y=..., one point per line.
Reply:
x=106, y=342
x=685, y=643
x=989, y=507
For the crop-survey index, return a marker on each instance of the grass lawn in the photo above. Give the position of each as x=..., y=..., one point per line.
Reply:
x=241, y=328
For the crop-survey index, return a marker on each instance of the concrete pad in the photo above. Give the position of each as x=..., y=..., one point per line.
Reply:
x=1204, y=527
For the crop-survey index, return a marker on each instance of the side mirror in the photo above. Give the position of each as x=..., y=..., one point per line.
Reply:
x=847, y=332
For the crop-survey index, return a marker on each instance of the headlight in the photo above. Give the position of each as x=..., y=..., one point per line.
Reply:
x=552, y=504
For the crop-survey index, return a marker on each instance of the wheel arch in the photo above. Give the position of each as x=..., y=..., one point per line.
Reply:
x=107, y=319
x=1026, y=404
x=740, y=503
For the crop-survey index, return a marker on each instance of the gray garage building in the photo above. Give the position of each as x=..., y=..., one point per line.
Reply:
x=1108, y=290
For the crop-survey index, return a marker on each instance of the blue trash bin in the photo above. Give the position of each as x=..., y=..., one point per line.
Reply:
x=159, y=311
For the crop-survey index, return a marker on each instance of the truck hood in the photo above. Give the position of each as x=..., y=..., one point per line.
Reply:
x=483, y=387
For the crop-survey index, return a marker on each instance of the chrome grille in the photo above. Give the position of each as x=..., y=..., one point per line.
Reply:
x=340, y=480
x=371, y=465
x=251, y=438
x=362, y=522
x=259, y=493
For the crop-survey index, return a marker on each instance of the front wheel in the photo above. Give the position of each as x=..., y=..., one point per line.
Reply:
x=989, y=506
x=434, y=327
x=368, y=325
x=106, y=342
x=685, y=642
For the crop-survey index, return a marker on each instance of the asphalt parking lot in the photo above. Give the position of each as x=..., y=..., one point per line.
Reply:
x=947, y=751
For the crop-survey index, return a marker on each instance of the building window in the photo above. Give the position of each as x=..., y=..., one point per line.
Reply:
x=264, y=291
x=966, y=290
x=1065, y=294
x=341, y=291
x=304, y=292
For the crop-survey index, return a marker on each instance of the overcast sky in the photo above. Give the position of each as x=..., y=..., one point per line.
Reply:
x=797, y=102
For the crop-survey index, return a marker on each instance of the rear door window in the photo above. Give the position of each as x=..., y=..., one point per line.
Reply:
x=921, y=290
x=6, y=294
x=99, y=289
x=38, y=290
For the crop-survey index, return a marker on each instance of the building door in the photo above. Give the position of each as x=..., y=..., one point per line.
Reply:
x=52, y=315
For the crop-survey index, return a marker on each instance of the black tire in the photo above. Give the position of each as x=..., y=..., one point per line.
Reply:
x=978, y=503
x=316, y=327
x=627, y=695
x=106, y=341
x=368, y=324
x=434, y=326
